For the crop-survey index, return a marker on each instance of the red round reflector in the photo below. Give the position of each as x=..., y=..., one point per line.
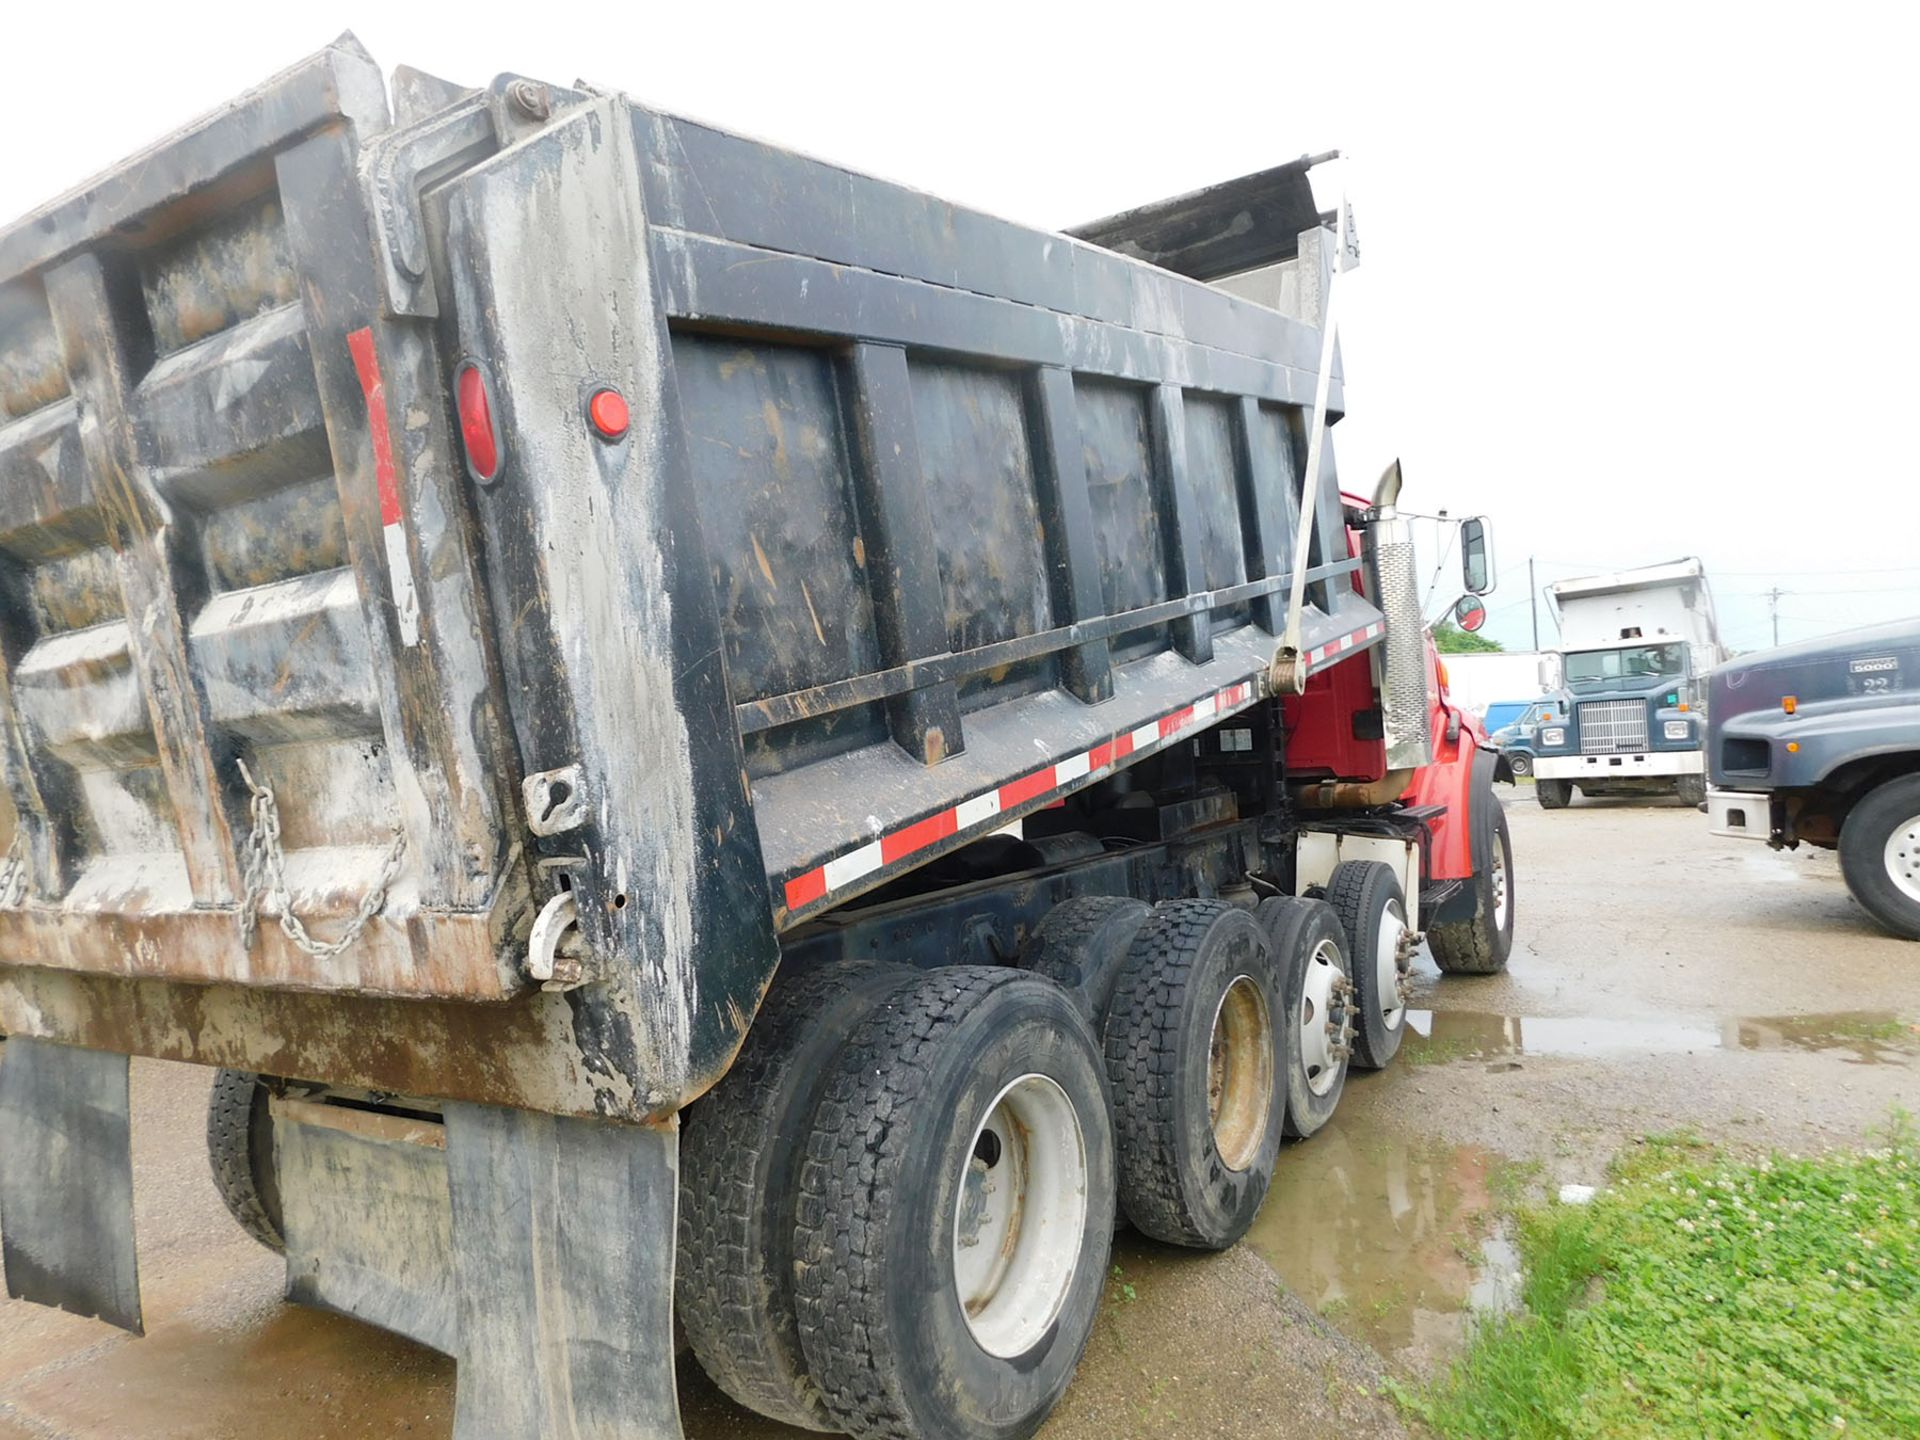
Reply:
x=608, y=411
x=476, y=422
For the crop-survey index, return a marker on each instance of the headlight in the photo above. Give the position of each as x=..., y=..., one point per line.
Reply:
x=1677, y=730
x=1554, y=736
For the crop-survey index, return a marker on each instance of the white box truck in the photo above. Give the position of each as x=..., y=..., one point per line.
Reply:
x=1635, y=649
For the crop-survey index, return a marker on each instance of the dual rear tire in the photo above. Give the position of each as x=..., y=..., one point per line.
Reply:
x=897, y=1207
x=916, y=1172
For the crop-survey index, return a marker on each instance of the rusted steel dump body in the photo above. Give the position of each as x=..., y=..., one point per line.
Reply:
x=922, y=521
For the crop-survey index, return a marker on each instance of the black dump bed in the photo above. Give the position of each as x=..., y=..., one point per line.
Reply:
x=916, y=520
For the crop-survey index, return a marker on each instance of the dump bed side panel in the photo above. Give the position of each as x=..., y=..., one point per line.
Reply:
x=990, y=511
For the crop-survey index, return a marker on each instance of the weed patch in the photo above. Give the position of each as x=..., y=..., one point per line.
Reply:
x=1700, y=1296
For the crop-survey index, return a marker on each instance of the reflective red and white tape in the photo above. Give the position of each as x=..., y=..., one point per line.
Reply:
x=1334, y=649
x=393, y=530
x=984, y=812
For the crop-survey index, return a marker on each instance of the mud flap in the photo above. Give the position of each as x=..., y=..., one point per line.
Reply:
x=364, y=1201
x=563, y=1236
x=66, y=1181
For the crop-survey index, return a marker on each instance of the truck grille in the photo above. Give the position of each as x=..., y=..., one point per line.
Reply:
x=1612, y=727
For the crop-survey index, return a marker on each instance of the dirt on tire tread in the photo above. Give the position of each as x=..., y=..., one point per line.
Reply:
x=230, y=1156
x=856, y=1159
x=1142, y=1046
x=715, y=1293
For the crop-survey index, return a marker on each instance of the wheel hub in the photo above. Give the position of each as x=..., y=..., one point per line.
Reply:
x=1498, y=874
x=1020, y=1216
x=1240, y=1074
x=1326, y=1022
x=1902, y=857
x=1392, y=956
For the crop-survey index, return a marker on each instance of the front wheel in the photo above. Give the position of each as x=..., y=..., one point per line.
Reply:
x=1692, y=789
x=1553, y=794
x=1480, y=944
x=1520, y=765
x=1880, y=855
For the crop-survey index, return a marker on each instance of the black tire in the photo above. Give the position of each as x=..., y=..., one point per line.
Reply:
x=1886, y=816
x=1692, y=789
x=1553, y=794
x=1194, y=1060
x=1519, y=764
x=1364, y=894
x=240, y=1152
x=886, y=1332
x=1081, y=946
x=740, y=1158
x=1304, y=934
x=1481, y=943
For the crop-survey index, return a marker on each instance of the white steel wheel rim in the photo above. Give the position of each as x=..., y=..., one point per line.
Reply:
x=1386, y=963
x=1240, y=1074
x=1903, y=858
x=1316, y=1012
x=1499, y=878
x=1020, y=1218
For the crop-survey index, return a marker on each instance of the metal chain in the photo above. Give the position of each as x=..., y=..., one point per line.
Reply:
x=13, y=871
x=264, y=875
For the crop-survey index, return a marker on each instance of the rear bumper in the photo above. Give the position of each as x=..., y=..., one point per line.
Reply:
x=1605, y=769
x=1740, y=814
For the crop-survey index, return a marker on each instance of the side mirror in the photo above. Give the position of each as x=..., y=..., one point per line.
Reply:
x=1476, y=556
x=1548, y=671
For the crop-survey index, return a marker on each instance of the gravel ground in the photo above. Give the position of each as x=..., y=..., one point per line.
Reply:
x=1672, y=981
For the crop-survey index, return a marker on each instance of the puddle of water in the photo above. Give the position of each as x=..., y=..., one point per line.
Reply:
x=1867, y=1038
x=1394, y=1243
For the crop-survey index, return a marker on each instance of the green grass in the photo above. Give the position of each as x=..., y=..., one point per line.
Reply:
x=1699, y=1296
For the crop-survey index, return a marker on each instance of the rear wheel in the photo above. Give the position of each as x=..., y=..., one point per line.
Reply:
x=1081, y=946
x=740, y=1160
x=1309, y=947
x=1880, y=855
x=1481, y=943
x=956, y=1209
x=240, y=1151
x=1366, y=895
x=1194, y=1060
x=1553, y=794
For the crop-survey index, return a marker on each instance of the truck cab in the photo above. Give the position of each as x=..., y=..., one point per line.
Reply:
x=1626, y=716
x=1819, y=743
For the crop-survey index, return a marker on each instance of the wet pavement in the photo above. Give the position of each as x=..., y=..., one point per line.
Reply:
x=1664, y=980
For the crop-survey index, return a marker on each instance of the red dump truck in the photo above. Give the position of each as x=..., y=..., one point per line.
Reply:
x=696, y=733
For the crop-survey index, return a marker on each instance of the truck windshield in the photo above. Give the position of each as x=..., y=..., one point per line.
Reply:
x=1636, y=662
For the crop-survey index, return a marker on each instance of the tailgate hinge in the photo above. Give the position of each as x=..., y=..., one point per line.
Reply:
x=404, y=164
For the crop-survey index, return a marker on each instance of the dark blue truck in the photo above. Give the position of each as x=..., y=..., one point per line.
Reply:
x=1820, y=743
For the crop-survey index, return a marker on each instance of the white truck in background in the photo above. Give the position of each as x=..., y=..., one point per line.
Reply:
x=1635, y=649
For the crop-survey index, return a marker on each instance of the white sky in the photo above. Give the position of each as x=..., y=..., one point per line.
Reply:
x=1638, y=281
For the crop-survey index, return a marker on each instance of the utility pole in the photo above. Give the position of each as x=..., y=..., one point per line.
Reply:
x=1533, y=599
x=1773, y=603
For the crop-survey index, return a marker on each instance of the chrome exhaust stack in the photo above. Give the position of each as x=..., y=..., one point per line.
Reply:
x=1400, y=661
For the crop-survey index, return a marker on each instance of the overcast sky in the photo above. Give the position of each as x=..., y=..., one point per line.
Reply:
x=1638, y=282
